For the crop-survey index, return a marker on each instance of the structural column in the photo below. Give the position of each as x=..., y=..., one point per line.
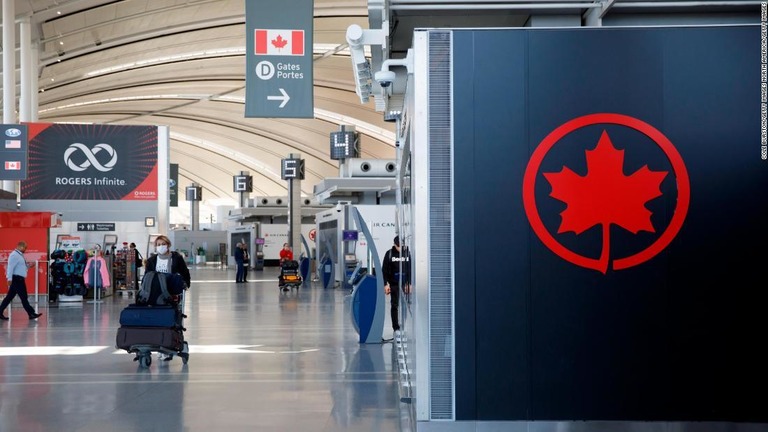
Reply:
x=194, y=196
x=243, y=185
x=293, y=172
x=9, y=72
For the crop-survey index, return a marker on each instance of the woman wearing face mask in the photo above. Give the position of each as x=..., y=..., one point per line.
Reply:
x=166, y=261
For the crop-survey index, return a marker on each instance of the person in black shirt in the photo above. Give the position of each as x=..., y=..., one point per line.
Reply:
x=139, y=262
x=395, y=269
x=240, y=263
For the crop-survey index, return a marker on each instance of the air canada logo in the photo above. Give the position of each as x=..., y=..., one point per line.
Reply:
x=604, y=196
x=102, y=157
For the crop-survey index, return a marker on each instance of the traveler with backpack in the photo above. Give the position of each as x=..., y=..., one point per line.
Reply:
x=167, y=261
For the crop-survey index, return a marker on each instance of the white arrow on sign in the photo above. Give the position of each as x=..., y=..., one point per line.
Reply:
x=285, y=98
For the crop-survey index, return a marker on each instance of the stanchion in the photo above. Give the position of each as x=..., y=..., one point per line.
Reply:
x=96, y=296
x=37, y=275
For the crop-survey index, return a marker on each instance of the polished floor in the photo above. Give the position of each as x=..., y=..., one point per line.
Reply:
x=260, y=360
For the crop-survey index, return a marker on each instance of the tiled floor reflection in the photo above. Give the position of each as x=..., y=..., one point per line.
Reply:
x=261, y=360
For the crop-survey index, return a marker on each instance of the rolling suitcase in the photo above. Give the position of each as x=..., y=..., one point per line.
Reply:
x=150, y=316
x=128, y=337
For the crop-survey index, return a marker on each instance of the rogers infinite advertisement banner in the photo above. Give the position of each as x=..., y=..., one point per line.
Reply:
x=91, y=162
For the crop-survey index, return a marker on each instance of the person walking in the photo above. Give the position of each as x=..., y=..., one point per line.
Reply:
x=16, y=275
x=239, y=262
x=395, y=268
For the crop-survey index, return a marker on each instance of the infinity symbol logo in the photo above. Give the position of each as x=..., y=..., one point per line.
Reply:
x=91, y=157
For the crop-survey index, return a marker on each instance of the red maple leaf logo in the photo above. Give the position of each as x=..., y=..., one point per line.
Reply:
x=605, y=195
x=279, y=42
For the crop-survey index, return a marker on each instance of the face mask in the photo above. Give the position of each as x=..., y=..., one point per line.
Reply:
x=162, y=249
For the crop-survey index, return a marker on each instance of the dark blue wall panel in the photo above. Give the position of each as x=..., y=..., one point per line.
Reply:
x=674, y=338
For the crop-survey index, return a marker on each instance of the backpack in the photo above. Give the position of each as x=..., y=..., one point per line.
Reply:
x=151, y=293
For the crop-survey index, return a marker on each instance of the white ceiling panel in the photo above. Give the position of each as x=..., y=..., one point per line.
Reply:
x=181, y=63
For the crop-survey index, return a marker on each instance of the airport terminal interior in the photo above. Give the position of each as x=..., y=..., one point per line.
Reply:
x=319, y=124
x=260, y=359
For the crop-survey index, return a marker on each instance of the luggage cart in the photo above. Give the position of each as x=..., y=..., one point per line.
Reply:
x=289, y=275
x=168, y=342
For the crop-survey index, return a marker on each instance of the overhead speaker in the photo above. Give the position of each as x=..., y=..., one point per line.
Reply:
x=372, y=167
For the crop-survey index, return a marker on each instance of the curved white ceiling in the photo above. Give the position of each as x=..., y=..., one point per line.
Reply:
x=182, y=64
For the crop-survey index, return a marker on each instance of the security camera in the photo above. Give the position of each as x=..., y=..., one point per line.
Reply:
x=385, y=78
x=339, y=207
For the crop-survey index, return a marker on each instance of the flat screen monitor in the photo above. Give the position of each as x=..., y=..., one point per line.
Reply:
x=349, y=235
x=260, y=241
x=350, y=257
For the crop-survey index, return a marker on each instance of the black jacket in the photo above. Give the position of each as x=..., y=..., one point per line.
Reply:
x=137, y=258
x=390, y=267
x=239, y=255
x=178, y=265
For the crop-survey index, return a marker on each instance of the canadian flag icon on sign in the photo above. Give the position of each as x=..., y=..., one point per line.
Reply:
x=279, y=42
x=12, y=165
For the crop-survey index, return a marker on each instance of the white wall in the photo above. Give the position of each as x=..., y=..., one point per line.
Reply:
x=276, y=234
x=381, y=221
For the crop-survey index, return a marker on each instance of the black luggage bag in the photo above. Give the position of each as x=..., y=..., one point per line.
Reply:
x=150, y=316
x=154, y=323
x=130, y=337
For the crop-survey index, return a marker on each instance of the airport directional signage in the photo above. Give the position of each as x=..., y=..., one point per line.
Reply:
x=95, y=226
x=13, y=156
x=278, y=78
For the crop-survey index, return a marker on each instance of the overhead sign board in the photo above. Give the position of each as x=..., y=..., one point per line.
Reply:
x=242, y=183
x=278, y=78
x=13, y=152
x=194, y=193
x=292, y=168
x=95, y=226
x=173, y=185
x=91, y=162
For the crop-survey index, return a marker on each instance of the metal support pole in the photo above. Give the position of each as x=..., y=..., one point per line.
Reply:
x=194, y=213
x=244, y=194
x=9, y=72
x=37, y=288
x=294, y=212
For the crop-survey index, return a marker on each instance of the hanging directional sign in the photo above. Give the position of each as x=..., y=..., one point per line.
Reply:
x=292, y=168
x=278, y=76
x=13, y=153
x=194, y=193
x=242, y=183
x=95, y=226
